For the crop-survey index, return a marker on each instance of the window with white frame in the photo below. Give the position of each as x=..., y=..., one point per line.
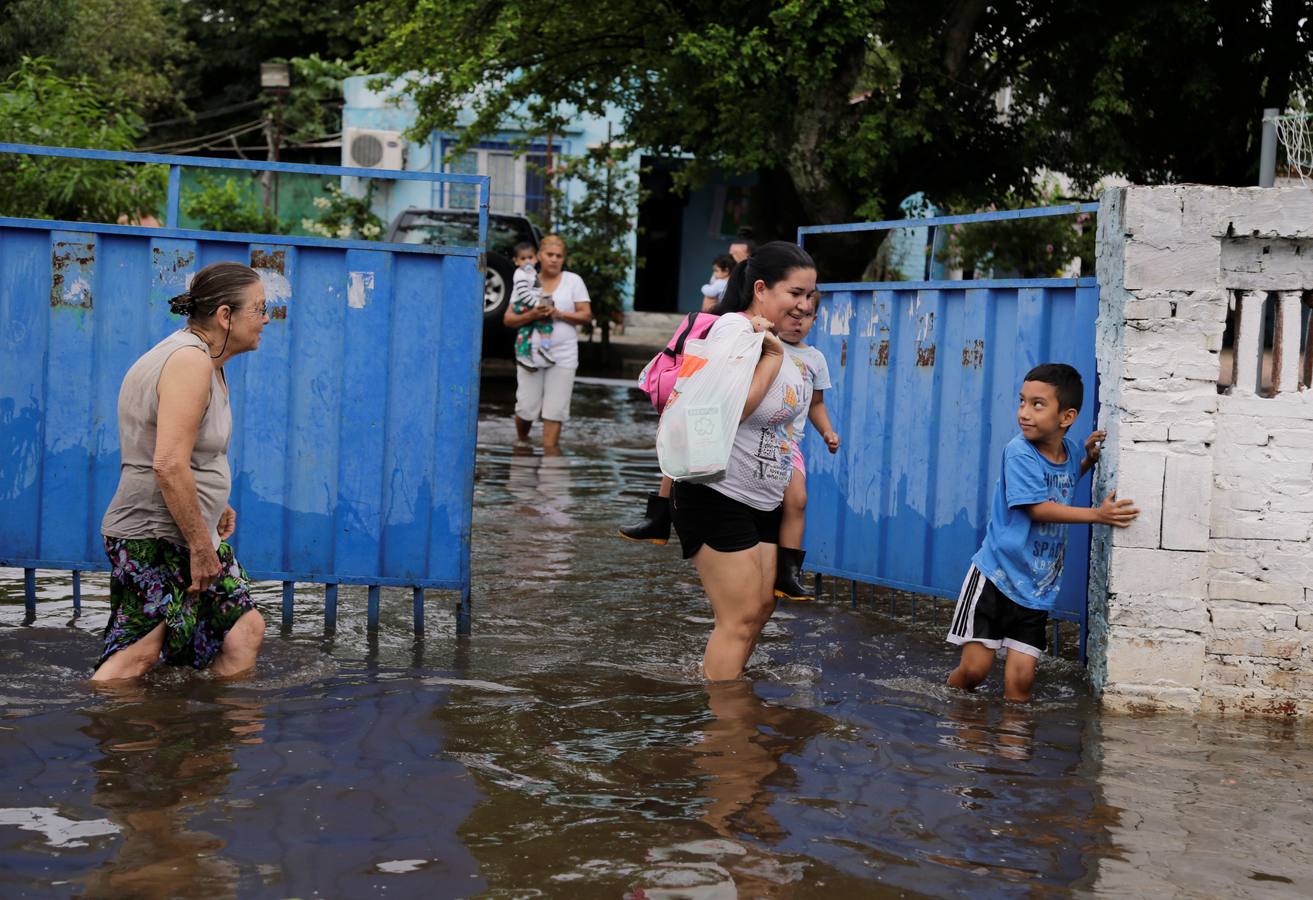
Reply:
x=516, y=185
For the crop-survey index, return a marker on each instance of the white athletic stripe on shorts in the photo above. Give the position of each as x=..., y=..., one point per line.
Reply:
x=964, y=618
x=964, y=614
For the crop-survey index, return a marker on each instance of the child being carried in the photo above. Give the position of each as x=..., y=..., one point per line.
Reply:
x=816, y=376
x=533, y=342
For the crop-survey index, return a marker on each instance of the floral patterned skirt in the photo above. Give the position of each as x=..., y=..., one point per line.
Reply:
x=148, y=586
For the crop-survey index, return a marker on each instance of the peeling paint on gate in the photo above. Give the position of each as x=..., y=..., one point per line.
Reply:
x=973, y=354
x=72, y=263
x=271, y=265
x=880, y=353
x=173, y=264
x=359, y=289
x=925, y=347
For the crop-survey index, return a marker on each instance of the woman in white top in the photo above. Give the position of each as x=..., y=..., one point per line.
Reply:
x=545, y=390
x=730, y=528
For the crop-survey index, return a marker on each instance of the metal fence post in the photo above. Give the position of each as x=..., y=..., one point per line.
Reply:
x=463, y=611
x=173, y=215
x=29, y=593
x=330, y=607
x=373, y=606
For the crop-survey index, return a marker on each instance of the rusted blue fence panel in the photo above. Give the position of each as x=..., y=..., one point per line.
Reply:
x=926, y=376
x=353, y=423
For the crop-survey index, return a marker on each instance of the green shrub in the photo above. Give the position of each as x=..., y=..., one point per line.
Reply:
x=224, y=203
x=344, y=216
x=39, y=107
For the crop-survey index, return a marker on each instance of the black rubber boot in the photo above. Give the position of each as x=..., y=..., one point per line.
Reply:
x=788, y=575
x=655, y=527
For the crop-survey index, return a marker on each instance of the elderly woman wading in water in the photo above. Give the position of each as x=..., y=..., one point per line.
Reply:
x=177, y=594
x=730, y=528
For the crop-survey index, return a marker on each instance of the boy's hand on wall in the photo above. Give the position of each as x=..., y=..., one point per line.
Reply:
x=832, y=441
x=1094, y=445
x=1117, y=513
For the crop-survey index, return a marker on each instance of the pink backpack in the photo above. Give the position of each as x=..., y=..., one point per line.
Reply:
x=659, y=376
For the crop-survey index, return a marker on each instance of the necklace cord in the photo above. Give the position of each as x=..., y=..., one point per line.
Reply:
x=227, y=335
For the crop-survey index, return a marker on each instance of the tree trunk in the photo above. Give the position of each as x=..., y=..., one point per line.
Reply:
x=824, y=200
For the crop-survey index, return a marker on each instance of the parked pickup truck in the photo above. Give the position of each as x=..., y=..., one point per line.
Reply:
x=459, y=227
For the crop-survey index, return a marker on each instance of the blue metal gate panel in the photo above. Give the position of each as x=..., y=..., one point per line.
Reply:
x=926, y=377
x=353, y=423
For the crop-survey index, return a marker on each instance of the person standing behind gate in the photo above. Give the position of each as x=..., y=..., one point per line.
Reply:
x=730, y=528
x=545, y=391
x=177, y=593
x=1013, y=581
x=714, y=289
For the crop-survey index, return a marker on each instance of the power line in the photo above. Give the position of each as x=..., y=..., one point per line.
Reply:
x=208, y=114
x=234, y=131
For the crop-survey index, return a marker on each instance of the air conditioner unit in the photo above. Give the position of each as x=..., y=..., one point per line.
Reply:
x=366, y=149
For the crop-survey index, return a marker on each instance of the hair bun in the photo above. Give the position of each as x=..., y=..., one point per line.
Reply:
x=183, y=304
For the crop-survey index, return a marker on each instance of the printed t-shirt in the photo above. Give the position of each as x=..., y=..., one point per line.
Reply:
x=816, y=372
x=1023, y=557
x=761, y=463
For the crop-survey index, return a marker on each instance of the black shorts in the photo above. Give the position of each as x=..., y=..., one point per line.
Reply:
x=986, y=615
x=703, y=515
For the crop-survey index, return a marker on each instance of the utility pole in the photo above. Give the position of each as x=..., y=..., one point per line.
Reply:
x=1267, y=155
x=275, y=80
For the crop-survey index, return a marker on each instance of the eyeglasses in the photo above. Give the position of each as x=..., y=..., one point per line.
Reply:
x=260, y=309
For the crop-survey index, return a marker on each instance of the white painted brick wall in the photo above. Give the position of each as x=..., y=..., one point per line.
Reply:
x=1207, y=601
x=1140, y=478
x=1187, y=502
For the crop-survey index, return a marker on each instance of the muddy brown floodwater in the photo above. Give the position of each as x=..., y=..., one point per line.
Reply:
x=569, y=750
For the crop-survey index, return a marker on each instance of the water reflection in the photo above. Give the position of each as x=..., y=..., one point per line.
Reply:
x=166, y=753
x=740, y=760
x=541, y=483
x=741, y=750
x=1005, y=731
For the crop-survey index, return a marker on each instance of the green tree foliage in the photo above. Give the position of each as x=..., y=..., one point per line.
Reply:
x=596, y=226
x=225, y=203
x=1025, y=248
x=133, y=48
x=233, y=37
x=862, y=102
x=313, y=109
x=37, y=106
x=1169, y=90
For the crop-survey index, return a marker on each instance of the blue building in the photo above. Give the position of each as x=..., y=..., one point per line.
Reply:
x=676, y=235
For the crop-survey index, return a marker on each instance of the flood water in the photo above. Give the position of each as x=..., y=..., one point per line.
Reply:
x=569, y=749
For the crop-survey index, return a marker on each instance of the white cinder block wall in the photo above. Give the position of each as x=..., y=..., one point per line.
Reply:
x=1207, y=601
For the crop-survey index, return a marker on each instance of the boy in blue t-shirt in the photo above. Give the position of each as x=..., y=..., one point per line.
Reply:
x=1014, y=578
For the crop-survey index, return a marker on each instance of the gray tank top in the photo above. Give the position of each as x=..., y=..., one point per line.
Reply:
x=138, y=509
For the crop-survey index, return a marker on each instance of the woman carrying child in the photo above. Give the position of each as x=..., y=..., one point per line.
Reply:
x=816, y=380
x=545, y=357
x=731, y=528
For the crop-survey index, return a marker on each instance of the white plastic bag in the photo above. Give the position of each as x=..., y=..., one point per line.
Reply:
x=696, y=431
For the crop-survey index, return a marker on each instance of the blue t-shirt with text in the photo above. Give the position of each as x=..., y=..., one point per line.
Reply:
x=1023, y=557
